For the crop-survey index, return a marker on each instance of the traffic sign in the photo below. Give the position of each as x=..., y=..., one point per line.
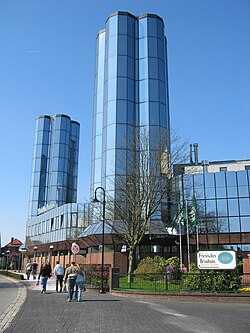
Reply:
x=75, y=248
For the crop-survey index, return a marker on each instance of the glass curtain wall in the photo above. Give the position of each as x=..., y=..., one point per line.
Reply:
x=223, y=203
x=131, y=93
x=55, y=163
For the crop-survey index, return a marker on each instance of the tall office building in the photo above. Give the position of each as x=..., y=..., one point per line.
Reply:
x=55, y=163
x=131, y=93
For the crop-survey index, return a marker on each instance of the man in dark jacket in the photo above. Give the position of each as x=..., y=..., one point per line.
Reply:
x=34, y=269
x=45, y=274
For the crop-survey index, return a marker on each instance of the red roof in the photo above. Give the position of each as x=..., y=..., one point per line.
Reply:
x=14, y=243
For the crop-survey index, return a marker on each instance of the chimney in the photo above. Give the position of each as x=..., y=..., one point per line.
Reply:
x=195, y=145
x=12, y=239
x=191, y=154
x=205, y=165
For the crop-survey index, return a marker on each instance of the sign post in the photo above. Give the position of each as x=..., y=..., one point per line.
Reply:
x=75, y=249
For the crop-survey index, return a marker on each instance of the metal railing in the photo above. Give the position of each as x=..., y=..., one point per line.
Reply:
x=93, y=278
x=203, y=281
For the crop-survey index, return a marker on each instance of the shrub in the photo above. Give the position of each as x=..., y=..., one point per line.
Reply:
x=174, y=262
x=149, y=267
x=210, y=280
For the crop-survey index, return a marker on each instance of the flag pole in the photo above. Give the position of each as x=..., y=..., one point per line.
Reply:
x=197, y=237
x=180, y=241
x=188, y=246
x=197, y=225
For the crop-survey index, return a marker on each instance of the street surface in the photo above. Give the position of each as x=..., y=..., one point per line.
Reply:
x=116, y=314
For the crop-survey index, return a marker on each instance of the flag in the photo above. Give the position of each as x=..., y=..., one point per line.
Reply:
x=184, y=212
x=178, y=216
x=192, y=215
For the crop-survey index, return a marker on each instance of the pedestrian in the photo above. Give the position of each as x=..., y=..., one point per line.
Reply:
x=70, y=275
x=34, y=269
x=28, y=269
x=59, y=272
x=45, y=274
x=80, y=280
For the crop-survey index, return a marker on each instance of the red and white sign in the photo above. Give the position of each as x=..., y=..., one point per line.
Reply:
x=75, y=248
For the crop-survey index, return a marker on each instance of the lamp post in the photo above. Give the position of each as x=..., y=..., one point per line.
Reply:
x=7, y=255
x=35, y=249
x=2, y=259
x=95, y=200
x=51, y=249
x=22, y=250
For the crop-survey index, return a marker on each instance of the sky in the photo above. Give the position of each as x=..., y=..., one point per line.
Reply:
x=47, y=54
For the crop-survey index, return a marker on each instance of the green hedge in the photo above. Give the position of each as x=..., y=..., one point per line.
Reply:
x=14, y=275
x=210, y=280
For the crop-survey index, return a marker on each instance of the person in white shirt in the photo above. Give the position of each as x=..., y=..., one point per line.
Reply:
x=59, y=273
x=28, y=269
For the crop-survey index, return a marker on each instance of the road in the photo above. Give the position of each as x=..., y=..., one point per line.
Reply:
x=116, y=314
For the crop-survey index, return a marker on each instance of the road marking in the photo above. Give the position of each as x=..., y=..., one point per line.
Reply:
x=164, y=311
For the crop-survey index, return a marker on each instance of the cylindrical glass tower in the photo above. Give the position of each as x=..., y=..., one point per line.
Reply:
x=55, y=163
x=131, y=93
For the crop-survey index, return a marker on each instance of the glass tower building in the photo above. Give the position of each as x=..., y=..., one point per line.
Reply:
x=131, y=93
x=55, y=163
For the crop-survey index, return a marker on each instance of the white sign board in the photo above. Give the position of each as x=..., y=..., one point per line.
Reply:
x=216, y=259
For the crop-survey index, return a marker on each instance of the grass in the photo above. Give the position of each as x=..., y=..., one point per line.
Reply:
x=147, y=285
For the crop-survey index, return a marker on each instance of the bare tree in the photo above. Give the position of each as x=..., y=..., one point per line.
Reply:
x=143, y=189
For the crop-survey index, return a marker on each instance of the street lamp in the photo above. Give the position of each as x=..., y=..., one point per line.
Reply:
x=22, y=250
x=95, y=200
x=35, y=249
x=51, y=249
x=7, y=254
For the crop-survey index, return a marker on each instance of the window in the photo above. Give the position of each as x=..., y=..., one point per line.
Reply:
x=124, y=248
x=112, y=25
x=245, y=224
x=61, y=224
x=234, y=224
x=223, y=169
x=74, y=219
x=122, y=45
x=51, y=223
x=122, y=24
x=247, y=167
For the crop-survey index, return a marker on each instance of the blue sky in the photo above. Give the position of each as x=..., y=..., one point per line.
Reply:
x=47, y=51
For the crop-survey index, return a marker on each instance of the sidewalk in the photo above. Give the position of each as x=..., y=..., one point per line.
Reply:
x=12, y=295
x=51, y=312
x=107, y=313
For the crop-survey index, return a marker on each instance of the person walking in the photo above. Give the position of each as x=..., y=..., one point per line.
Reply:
x=34, y=269
x=59, y=272
x=45, y=274
x=70, y=275
x=28, y=269
x=80, y=280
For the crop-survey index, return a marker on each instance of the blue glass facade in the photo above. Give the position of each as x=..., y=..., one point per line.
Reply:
x=223, y=201
x=55, y=163
x=131, y=93
x=62, y=223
